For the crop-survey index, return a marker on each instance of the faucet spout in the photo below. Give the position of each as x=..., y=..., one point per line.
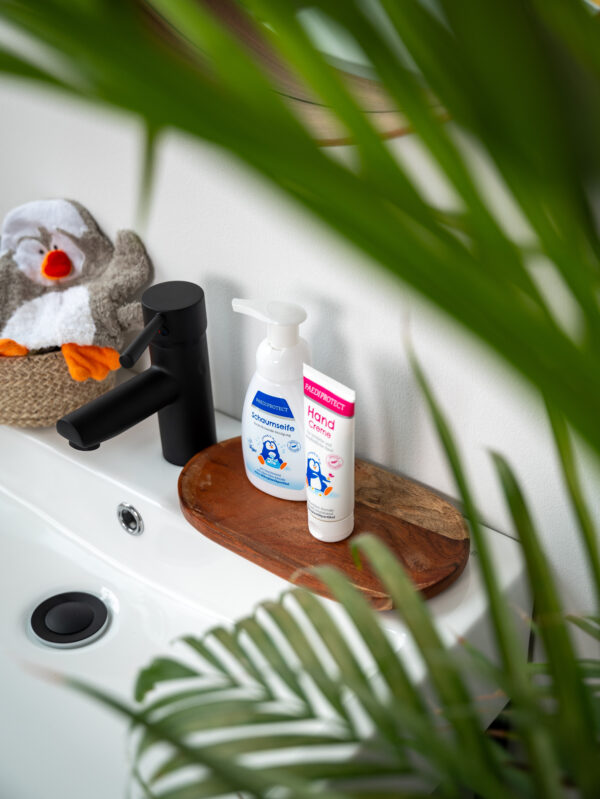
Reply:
x=176, y=387
x=119, y=409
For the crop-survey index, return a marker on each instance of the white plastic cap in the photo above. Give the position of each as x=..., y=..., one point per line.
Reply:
x=330, y=532
x=282, y=319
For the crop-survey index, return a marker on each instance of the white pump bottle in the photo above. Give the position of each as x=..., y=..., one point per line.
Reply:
x=272, y=418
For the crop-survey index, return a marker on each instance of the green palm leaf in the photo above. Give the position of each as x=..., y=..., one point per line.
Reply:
x=286, y=680
x=587, y=528
x=386, y=730
x=516, y=102
x=262, y=718
x=515, y=681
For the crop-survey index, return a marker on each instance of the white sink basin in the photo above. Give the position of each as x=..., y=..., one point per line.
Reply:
x=60, y=532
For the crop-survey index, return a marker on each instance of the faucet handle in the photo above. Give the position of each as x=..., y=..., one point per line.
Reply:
x=139, y=344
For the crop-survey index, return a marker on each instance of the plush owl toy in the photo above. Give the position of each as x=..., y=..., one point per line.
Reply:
x=63, y=284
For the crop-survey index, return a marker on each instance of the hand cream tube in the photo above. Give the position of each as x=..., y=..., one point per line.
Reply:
x=329, y=451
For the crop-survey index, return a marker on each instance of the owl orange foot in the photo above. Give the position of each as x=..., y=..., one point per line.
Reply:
x=94, y=362
x=10, y=348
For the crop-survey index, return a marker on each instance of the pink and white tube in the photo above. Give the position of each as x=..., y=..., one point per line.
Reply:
x=329, y=451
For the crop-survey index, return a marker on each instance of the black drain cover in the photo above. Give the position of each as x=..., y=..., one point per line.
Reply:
x=69, y=619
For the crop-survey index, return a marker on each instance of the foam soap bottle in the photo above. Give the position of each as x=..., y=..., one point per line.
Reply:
x=272, y=418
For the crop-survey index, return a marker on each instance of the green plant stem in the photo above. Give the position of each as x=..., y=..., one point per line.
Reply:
x=537, y=740
x=575, y=717
x=235, y=108
x=589, y=535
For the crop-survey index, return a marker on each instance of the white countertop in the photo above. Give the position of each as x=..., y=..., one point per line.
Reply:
x=130, y=468
x=60, y=532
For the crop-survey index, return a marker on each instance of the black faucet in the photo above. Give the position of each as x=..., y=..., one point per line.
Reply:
x=177, y=384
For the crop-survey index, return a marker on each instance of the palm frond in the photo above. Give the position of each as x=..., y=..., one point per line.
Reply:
x=516, y=103
x=255, y=696
x=586, y=525
x=282, y=699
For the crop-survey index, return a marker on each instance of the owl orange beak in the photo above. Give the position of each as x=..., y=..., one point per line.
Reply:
x=56, y=264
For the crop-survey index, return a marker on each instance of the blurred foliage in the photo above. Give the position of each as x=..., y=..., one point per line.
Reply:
x=520, y=80
x=283, y=703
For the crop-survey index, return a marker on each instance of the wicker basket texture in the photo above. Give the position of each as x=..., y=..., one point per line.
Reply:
x=37, y=390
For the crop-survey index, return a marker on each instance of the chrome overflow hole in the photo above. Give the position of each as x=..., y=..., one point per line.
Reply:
x=130, y=519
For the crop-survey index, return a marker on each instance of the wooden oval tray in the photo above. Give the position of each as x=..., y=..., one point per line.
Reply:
x=427, y=533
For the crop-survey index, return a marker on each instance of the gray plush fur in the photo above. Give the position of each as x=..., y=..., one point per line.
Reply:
x=114, y=276
x=16, y=288
x=112, y=295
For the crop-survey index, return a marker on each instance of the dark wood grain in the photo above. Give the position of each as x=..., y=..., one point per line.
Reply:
x=426, y=532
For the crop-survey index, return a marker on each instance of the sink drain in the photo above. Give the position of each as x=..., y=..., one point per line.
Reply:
x=130, y=519
x=71, y=619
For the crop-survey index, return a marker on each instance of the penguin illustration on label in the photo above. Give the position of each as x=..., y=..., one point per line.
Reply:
x=315, y=479
x=269, y=455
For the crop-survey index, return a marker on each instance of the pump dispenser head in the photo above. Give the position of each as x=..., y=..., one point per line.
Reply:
x=282, y=318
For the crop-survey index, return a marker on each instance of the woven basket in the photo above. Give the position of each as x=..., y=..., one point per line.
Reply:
x=37, y=390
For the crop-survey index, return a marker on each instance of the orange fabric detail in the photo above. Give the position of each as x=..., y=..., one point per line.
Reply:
x=94, y=362
x=10, y=348
x=56, y=264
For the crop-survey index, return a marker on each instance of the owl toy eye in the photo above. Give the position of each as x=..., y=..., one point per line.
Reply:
x=28, y=256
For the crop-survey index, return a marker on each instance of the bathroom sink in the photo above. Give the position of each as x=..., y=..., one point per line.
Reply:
x=60, y=533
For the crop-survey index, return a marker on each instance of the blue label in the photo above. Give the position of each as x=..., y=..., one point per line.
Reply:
x=276, y=406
